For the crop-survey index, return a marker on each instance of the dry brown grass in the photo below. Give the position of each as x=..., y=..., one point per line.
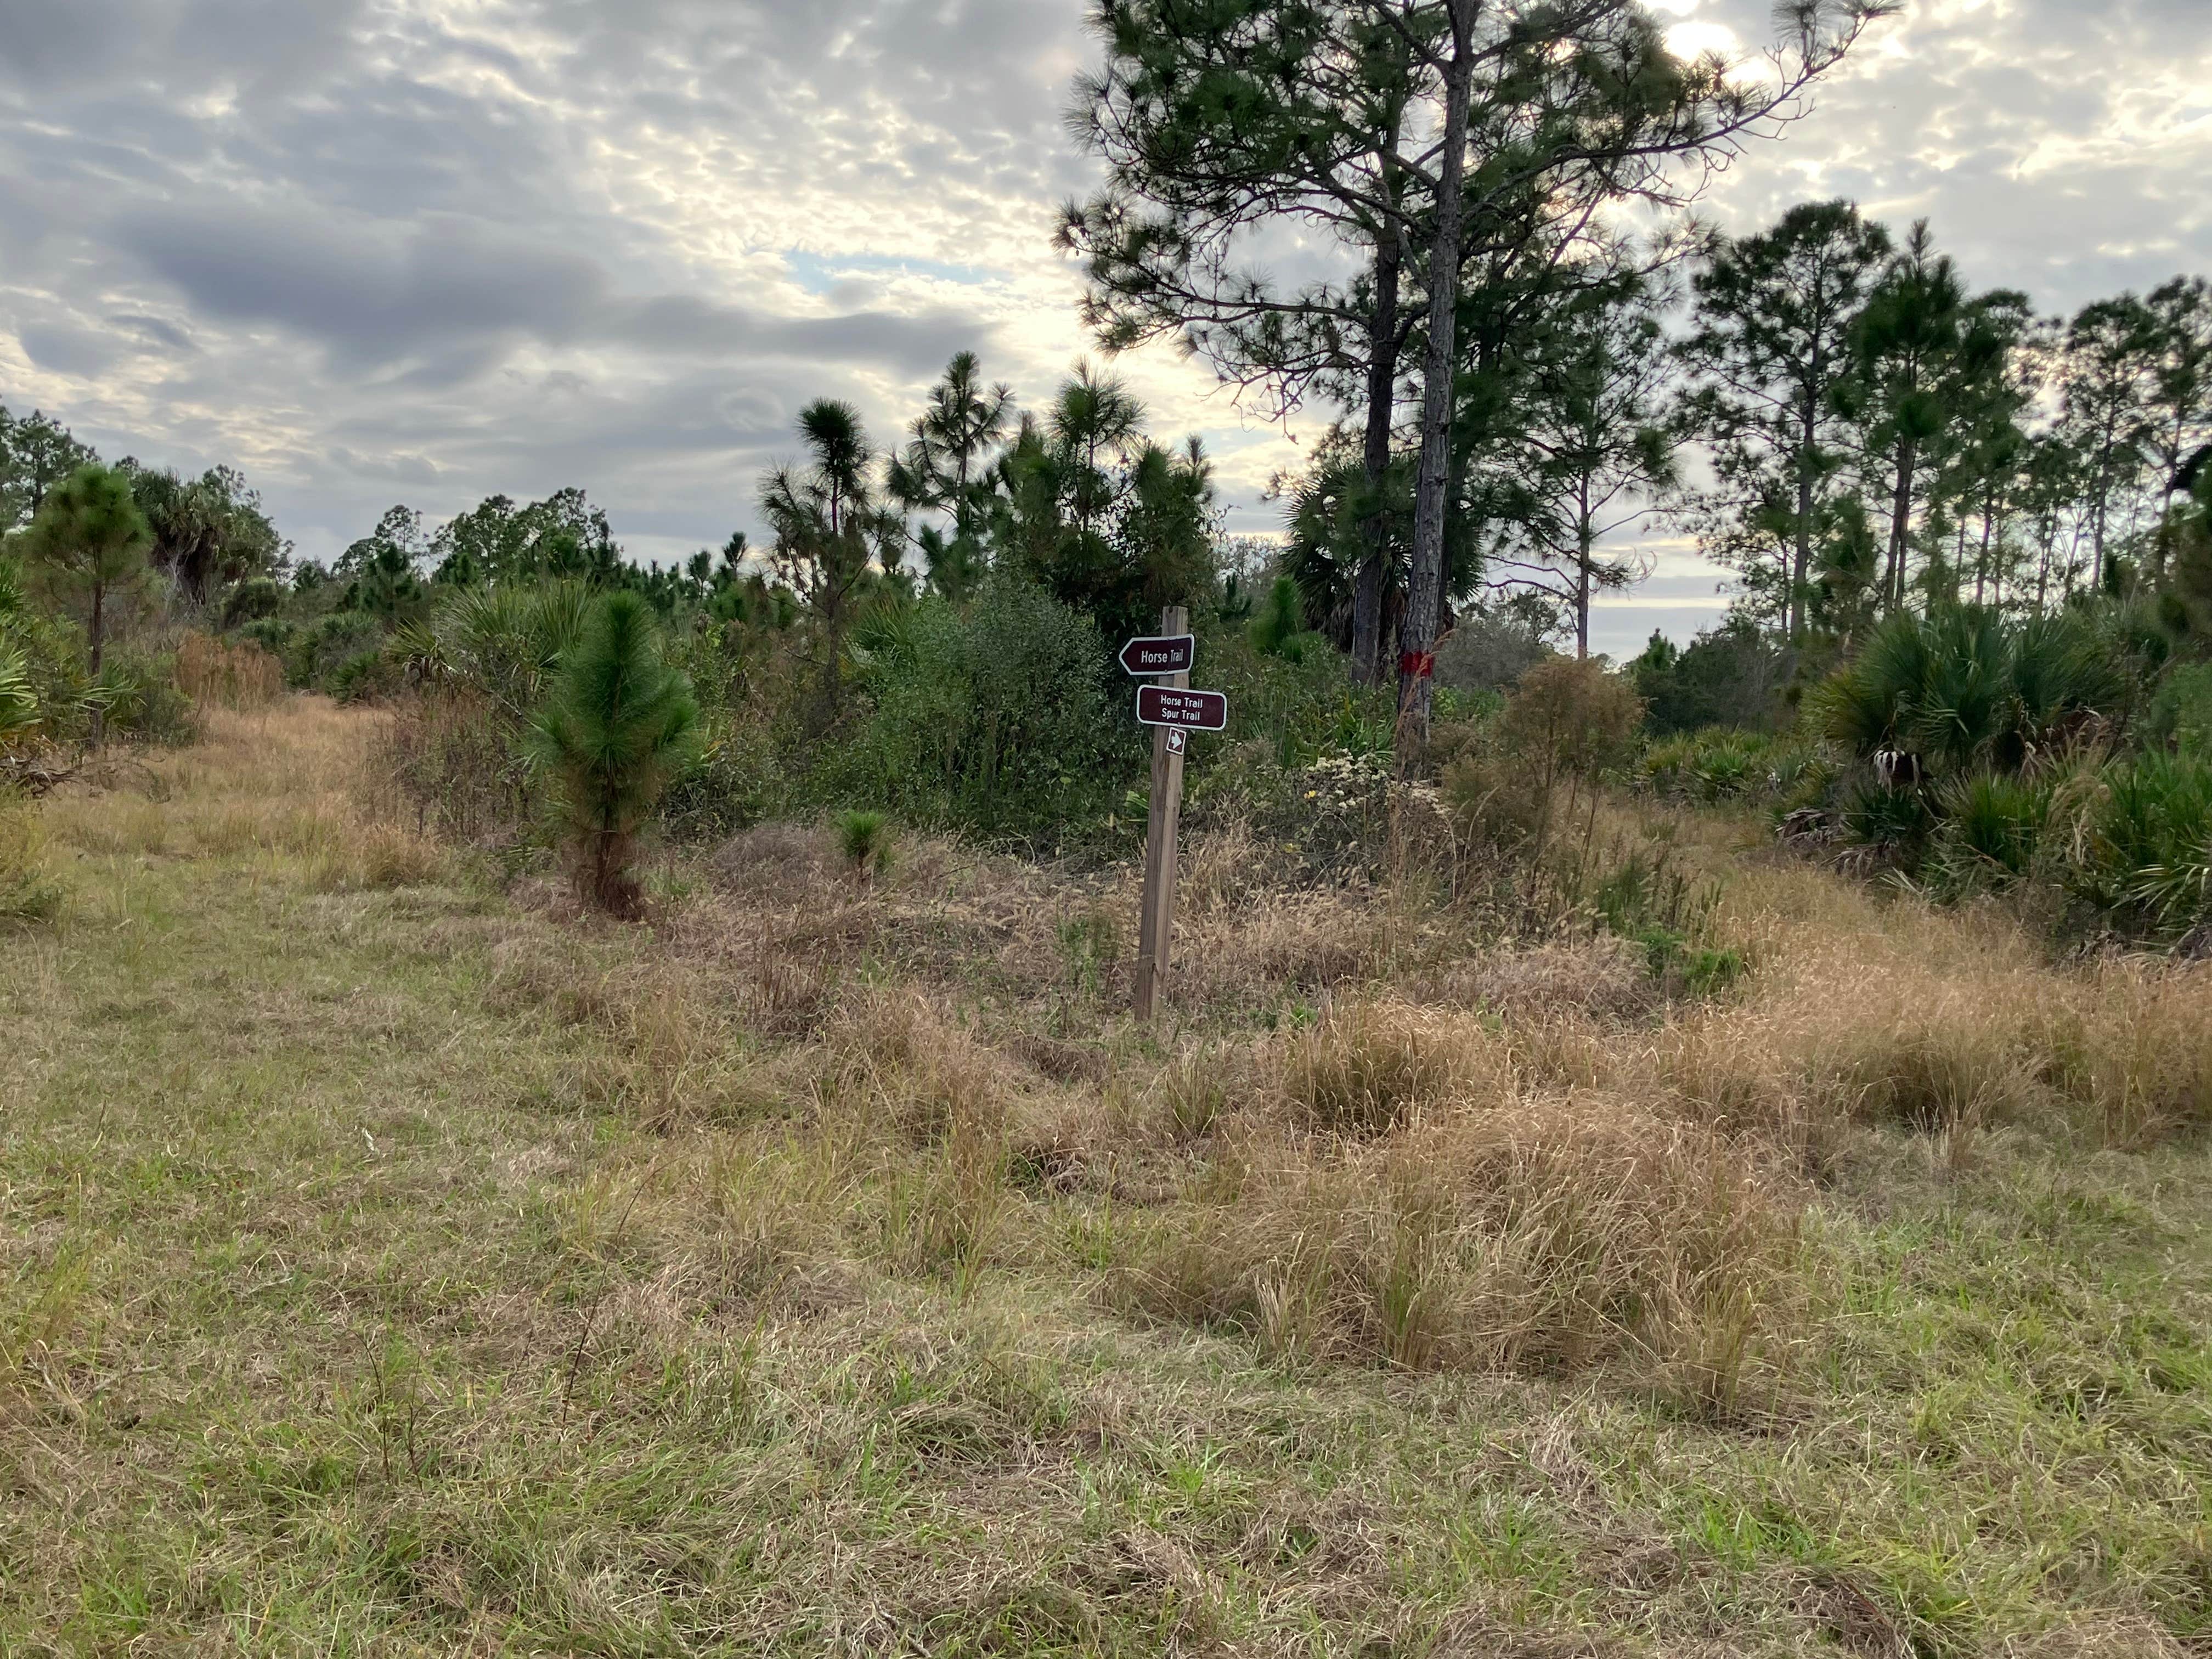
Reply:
x=29, y=891
x=1371, y=1067
x=1943, y=1024
x=214, y=673
x=1542, y=1235
x=821, y=1269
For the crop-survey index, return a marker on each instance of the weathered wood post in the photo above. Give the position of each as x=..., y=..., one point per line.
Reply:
x=1157, y=927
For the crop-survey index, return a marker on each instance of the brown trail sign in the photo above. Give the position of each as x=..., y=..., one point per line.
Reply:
x=1197, y=711
x=1160, y=656
x=1174, y=711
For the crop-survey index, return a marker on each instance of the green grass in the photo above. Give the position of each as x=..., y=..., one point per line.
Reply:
x=345, y=1307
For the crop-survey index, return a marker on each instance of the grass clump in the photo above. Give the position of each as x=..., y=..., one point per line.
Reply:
x=237, y=675
x=27, y=893
x=1537, y=1238
x=1373, y=1066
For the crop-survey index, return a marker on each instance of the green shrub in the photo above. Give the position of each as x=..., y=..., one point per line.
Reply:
x=137, y=695
x=1722, y=763
x=1279, y=629
x=1962, y=689
x=504, y=643
x=2180, y=713
x=2145, y=845
x=1302, y=706
x=1732, y=676
x=995, y=720
x=274, y=635
x=258, y=598
x=1645, y=898
x=740, y=779
x=1991, y=825
x=316, y=653
x=18, y=697
x=1896, y=822
x=362, y=677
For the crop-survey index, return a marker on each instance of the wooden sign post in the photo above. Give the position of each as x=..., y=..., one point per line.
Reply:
x=1157, y=922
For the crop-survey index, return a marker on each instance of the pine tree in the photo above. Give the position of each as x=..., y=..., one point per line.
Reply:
x=1904, y=344
x=1600, y=455
x=1770, y=347
x=619, y=725
x=2111, y=355
x=90, y=542
x=36, y=454
x=948, y=468
x=830, y=532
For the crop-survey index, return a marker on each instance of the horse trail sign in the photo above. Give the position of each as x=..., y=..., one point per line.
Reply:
x=1160, y=656
x=1174, y=711
x=1198, y=711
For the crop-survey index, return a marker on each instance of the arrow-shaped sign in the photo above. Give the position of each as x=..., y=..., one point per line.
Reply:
x=1171, y=655
x=1197, y=711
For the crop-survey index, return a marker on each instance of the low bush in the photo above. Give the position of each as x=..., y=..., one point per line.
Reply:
x=19, y=699
x=1642, y=895
x=136, y=692
x=1571, y=717
x=317, y=653
x=363, y=676
x=1960, y=688
x=2141, y=841
x=1894, y=822
x=451, y=766
x=993, y=719
x=1325, y=818
x=1992, y=827
x=1726, y=763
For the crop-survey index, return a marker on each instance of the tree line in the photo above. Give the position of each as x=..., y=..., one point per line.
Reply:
x=1838, y=417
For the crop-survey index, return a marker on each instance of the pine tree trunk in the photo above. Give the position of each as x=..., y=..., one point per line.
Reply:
x=99, y=631
x=1582, y=609
x=1802, y=557
x=1900, y=526
x=1424, y=598
x=1381, y=404
x=1583, y=540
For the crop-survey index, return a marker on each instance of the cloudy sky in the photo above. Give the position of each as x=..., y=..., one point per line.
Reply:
x=422, y=251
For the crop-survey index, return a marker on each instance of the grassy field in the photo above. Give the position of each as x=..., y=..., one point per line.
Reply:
x=391, y=1262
